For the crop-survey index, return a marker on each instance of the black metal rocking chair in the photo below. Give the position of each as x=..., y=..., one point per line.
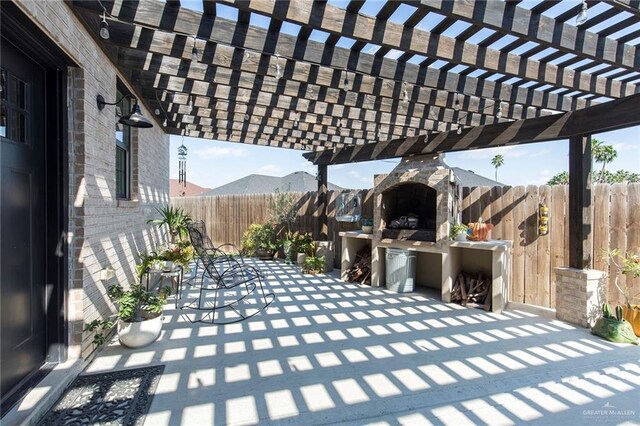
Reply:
x=228, y=286
x=204, y=246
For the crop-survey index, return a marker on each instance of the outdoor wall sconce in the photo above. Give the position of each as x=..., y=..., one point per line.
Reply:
x=134, y=119
x=543, y=219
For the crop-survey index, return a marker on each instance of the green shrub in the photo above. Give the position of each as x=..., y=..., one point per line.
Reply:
x=313, y=265
x=259, y=236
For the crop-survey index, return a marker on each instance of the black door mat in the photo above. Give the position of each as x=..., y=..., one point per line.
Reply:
x=114, y=398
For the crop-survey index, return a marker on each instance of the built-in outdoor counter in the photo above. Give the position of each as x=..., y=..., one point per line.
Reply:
x=438, y=264
x=492, y=258
x=352, y=243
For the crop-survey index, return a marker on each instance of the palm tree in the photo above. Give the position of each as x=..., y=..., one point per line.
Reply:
x=602, y=153
x=496, y=162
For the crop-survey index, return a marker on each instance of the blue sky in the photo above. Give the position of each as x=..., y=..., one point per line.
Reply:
x=214, y=163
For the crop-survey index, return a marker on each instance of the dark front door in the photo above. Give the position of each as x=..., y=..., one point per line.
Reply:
x=22, y=235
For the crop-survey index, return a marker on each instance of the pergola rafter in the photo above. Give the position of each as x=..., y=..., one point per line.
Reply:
x=326, y=17
x=528, y=64
x=533, y=26
x=293, y=50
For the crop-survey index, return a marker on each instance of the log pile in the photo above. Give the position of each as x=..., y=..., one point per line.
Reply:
x=361, y=269
x=472, y=289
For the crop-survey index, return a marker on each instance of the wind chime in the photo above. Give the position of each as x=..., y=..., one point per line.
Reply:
x=182, y=165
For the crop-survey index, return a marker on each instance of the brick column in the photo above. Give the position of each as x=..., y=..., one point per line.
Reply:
x=580, y=294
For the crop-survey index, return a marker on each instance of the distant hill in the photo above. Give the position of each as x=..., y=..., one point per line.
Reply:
x=262, y=184
x=177, y=190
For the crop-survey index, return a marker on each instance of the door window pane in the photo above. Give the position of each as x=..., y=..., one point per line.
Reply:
x=19, y=127
x=3, y=108
x=3, y=84
x=19, y=91
x=3, y=121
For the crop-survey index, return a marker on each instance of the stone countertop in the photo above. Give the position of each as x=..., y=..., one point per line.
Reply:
x=356, y=234
x=483, y=245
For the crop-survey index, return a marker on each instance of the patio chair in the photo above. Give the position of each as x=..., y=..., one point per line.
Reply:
x=226, y=284
x=202, y=244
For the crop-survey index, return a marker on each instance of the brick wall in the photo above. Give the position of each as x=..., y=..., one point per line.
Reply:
x=103, y=232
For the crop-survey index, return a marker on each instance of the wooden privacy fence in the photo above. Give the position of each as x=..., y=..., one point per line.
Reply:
x=514, y=213
x=512, y=210
x=228, y=216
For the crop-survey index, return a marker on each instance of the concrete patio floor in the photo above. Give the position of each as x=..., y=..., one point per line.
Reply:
x=332, y=352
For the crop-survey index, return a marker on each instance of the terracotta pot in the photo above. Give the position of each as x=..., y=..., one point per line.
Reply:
x=480, y=231
x=139, y=334
x=632, y=315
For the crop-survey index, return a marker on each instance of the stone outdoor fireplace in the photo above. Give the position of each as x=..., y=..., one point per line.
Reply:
x=425, y=191
x=416, y=201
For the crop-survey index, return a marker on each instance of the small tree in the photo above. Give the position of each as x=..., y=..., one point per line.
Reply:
x=561, y=178
x=496, y=162
x=604, y=154
x=282, y=209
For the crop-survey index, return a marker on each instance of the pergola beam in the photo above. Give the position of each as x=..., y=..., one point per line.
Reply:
x=580, y=196
x=611, y=115
x=150, y=14
x=531, y=26
x=391, y=35
x=315, y=86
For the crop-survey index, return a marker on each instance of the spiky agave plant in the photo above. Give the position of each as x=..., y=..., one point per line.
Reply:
x=176, y=220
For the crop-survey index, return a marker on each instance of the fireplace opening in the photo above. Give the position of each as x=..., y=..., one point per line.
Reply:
x=409, y=212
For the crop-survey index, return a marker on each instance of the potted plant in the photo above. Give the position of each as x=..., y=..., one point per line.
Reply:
x=176, y=220
x=479, y=230
x=181, y=252
x=627, y=264
x=313, y=265
x=260, y=240
x=149, y=262
x=288, y=244
x=304, y=247
x=139, y=316
x=367, y=225
x=459, y=232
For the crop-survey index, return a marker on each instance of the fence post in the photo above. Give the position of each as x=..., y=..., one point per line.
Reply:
x=322, y=227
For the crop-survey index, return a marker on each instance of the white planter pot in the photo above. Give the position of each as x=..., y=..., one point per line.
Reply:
x=462, y=236
x=139, y=334
x=367, y=229
x=300, y=258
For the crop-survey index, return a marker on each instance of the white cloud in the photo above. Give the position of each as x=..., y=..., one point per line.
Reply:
x=354, y=174
x=218, y=152
x=506, y=151
x=624, y=146
x=269, y=169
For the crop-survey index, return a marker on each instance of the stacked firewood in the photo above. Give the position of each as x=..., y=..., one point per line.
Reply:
x=471, y=288
x=361, y=269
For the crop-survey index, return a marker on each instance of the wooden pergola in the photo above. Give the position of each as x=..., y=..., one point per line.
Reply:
x=363, y=80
